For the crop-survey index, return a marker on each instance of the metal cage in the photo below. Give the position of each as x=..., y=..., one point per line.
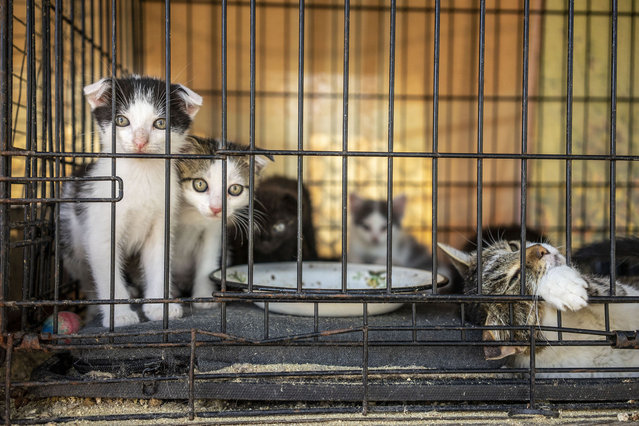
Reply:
x=484, y=112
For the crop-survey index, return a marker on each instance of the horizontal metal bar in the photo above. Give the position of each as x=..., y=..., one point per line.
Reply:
x=327, y=153
x=311, y=297
x=472, y=98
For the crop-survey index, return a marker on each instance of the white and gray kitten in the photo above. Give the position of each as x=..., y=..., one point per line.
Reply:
x=368, y=230
x=561, y=288
x=140, y=122
x=198, y=241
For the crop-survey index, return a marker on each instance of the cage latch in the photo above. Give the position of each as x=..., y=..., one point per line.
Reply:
x=624, y=340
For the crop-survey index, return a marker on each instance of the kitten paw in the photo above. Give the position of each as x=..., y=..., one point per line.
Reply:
x=205, y=305
x=563, y=288
x=155, y=311
x=122, y=315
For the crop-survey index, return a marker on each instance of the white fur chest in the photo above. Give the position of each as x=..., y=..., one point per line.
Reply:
x=191, y=230
x=143, y=196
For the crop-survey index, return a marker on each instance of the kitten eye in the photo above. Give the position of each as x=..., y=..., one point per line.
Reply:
x=384, y=228
x=235, y=189
x=200, y=185
x=279, y=227
x=160, y=123
x=121, y=121
x=514, y=246
x=366, y=227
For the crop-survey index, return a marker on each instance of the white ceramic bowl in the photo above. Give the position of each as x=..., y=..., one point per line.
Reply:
x=322, y=277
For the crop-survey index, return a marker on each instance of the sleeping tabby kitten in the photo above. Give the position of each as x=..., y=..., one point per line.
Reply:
x=559, y=287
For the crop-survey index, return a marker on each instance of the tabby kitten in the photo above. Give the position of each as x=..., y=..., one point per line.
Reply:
x=560, y=287
x=367, y=236
x=198, y=238
x=275, y=236
x=140, y=122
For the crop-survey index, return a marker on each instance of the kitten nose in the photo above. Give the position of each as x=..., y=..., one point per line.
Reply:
x=140, y=143
x=140, y=138
x=215, y=210
x=537, y=251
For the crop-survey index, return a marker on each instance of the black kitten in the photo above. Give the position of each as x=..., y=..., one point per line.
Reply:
x=275, y=237
x=594, y=258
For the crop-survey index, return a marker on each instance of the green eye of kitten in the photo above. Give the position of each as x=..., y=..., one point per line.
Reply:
x=200, y=185
x=121, y=121
x=160, y=123
x=235, y=189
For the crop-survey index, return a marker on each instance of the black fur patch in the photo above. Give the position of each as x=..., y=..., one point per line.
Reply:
x=153, y=90
x=368, y=207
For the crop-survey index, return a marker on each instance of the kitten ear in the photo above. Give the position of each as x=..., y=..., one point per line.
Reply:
x=354, y=201
x=261, y=161
x=99, y=93
x=399, y=207
x=460, y=259
x=498, y=352
x=192, y=101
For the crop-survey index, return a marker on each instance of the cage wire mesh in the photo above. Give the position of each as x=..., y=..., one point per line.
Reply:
x=483, y=113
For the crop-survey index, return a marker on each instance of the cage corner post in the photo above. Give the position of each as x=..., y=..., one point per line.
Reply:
x=5, y=132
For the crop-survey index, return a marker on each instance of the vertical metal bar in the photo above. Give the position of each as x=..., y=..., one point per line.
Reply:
x=316, y=319
x=92, y=51
x=365, y=359
x=102, y=7
x=435, y=142
x=224, y=165
x=7, y=367
x=83, y=60
x=631, y=106
x=345, y=91
x=167, y=165
x=113, y=164
x=586, y=117
x=31, y=142
x=192, y=375
x=5, y=131
x=137, y=25
x=266, y=320
x=613, y=150
x=59, y=145
x=300, y=139
x=532, y=367
x=73, y=75
x=480, y=137
x=524, y=144
x=47, y=134
x=251, y=217
x=569, y=84
x=391, y=131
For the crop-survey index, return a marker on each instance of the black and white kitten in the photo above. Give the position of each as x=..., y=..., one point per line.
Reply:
x=367, y=236
x=560, y=288
x=275, y=236
x=198, y=240
x=140, y=123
